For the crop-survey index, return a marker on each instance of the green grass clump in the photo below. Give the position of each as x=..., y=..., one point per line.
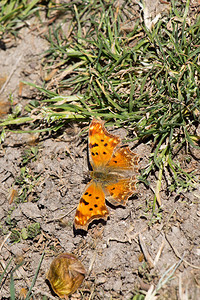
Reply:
x=151, y=85
x=14, y=14
x=26, y=183
x=147, y=81
x=29, y=232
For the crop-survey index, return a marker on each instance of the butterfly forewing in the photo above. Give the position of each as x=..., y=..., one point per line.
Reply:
x=101, y=144
x=91, y=206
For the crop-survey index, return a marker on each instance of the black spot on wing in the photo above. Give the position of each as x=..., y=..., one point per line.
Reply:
x=83, y=201
x=94, y=153
x=93, y=145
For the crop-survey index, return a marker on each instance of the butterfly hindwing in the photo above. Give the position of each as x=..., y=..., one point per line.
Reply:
x=117, y=193
x=123, y=159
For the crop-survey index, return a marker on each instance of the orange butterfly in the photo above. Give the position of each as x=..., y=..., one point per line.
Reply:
x=113, y=176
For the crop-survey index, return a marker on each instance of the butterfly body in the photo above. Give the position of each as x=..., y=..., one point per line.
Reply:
x=104, y=177
x=113, y=176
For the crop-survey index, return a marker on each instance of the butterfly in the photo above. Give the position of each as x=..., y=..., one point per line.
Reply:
x=113, y=175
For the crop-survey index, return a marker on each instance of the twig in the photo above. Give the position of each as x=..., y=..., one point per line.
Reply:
x=178, y=254
x=159, y=252
x=6, y=238
x=91, y=263
x=145, y=252
x=116, y=240
x=130, y=237
x=61, y=217
x=133, y=236
x=150, y=295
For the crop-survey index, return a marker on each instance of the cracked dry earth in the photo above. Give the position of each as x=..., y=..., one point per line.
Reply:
x=128, y=253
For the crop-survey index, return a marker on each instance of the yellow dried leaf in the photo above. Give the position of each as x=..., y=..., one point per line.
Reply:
x=66, y=274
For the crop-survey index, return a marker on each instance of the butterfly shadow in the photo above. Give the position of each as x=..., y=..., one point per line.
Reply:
x=118, y=205
x=88, y=160
x=113, y=206
x=94, y=222
x=79, y=232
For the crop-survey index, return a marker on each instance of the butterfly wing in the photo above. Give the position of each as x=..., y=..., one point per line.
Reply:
x=91, y=206
x=114, y=175
x=123, y=159
x=101, y=144
x=117, y=193
x=124, y=166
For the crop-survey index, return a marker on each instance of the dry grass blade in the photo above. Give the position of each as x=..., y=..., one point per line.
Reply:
x=145, y=252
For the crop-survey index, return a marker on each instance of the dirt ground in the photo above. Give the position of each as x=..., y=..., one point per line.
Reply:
x=54, y=179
